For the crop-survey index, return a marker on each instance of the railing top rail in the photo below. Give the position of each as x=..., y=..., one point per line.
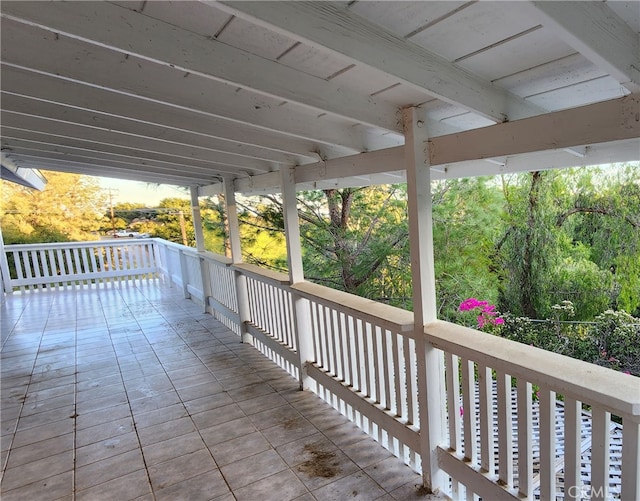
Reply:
x=393, y=318
x=77, y=245
x=614, y=391
x=262, y=274
x=212, y=256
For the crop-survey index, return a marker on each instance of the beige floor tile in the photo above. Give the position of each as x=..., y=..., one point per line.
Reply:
x=239, y=448
x=217, y=416
x=282, y=486
x=108, y=469
x=272, y=417
x=33, y=405
x=104, y=431
x=227, y=431
x=28, y=473
x=208, y=485
x=199, y=391
x=105, y=402
x=45, y=417
x=43, y=432
x=131, y=486
x=102, y=416
x=252, y=469
x=53, y=487
x=40, y=450
x=261, y=403
x=345, y=434
x=359, y=486
x=158, y=416
x=155, y=402
x=366, y=452
x=164, y=431
x=107, y=448
x=103, y=391
x=390, y=473
x=289, y=430
x=181, y=468
x=173, y=447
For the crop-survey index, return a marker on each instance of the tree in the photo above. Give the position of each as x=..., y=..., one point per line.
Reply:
x=466, y=222
x=605, y=218
x=570, y=235
x=70, y=207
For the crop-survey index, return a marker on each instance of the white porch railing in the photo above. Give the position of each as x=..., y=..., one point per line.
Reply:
x=523, y=423
x=68, y=264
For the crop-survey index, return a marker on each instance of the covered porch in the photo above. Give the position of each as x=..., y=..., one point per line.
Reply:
x=278, y=97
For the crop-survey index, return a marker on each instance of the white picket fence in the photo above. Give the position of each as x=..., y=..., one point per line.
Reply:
x=520, y=423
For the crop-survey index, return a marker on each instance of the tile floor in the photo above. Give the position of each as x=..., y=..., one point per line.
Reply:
x=131, y=392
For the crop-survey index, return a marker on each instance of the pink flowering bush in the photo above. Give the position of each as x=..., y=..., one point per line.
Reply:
x=486, y=313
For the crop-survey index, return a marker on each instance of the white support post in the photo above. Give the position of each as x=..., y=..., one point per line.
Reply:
x=430, y=361
x=184, y=274
x=236, y=257
x=197, y=218
x=4, y=268
x=301, y=311
x=197, y=226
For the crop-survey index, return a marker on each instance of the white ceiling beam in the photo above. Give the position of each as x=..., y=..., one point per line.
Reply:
x=22, y=149
x=10, y=135
x=594, y=30
x=596, y=154
x=315, y=175
x=42, y=142
x=133, y=33
x=73, y=95
x=107, y=171
x=374, y=162
x=25, y=107
x=143, y=144
x=64, y=58
x=330, y=26
x=93, y=166
x=612, y=120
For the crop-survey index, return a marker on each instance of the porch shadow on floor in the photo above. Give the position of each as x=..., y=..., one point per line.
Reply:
x=131, y=392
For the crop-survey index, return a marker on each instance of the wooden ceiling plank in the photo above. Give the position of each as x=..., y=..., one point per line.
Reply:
x=136, y=34
x=326, y=25
x=114, y=138
x=593, y=29
x=23, y=106
x=45, y=143
x=59, y=57
x=75, y=95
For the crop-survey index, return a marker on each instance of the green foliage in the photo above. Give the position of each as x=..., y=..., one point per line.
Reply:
x=465, y=213
x=68, y=209
x=570, y=235
x=612, y=341
x=618, y=338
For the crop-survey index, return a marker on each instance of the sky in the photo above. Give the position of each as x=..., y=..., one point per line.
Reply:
x=137, y=192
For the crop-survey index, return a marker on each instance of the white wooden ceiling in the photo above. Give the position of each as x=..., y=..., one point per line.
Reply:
x=189, y=93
